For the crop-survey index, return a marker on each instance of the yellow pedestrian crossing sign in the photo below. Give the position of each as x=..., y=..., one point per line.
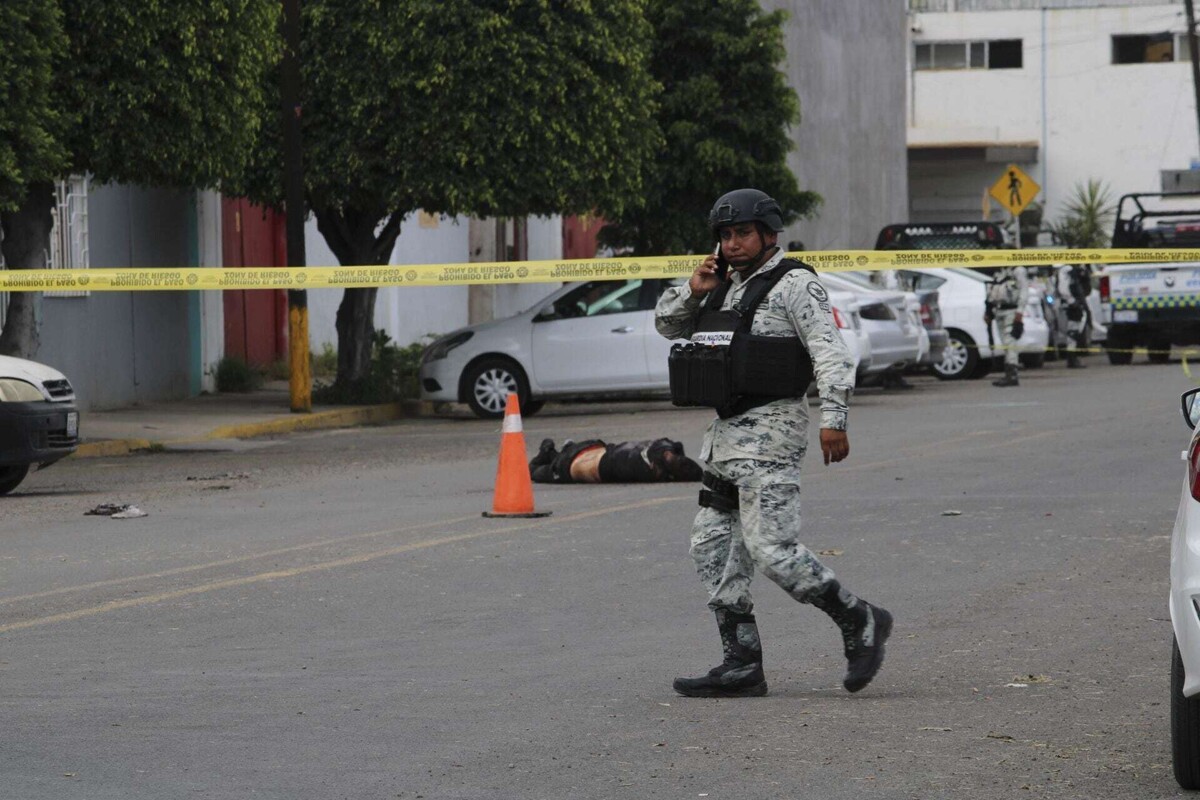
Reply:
x=1014, y=190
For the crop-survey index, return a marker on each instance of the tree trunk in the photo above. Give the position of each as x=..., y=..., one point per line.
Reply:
x=356, y=239
x=25, y=243
x=355, y=330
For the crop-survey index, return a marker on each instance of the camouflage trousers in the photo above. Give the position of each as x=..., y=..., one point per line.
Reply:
x=763, y=534
x=1004, y=322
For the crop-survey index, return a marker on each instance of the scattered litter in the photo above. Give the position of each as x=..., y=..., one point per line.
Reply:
x=1001, y=737
x=1016, y=685
x=1032, y=678
x=833, y=551
x=951, y=513
x=224, y=476
x=217, y=488
x=116, y=511
x=930, y=728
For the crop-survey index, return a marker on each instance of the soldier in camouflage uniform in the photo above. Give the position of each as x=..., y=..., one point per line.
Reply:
x=1073, y=283
x=1007, y=295
x=753, y=459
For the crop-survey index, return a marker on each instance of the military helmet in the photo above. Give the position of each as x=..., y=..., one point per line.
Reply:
x=745, y=205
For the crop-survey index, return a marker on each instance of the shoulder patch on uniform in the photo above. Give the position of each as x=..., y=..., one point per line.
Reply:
x=818, y=292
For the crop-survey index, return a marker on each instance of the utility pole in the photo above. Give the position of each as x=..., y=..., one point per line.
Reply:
x=1192, y=48
x=299, y=363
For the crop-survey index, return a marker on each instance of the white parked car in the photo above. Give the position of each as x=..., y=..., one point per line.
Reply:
x=39, y=423
x=586, y=341
x=961, y=294
x=892, y=322
x=1185, y=611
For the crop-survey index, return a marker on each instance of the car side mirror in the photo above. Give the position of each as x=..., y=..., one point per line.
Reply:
x=1191, y=407
x=547, y=313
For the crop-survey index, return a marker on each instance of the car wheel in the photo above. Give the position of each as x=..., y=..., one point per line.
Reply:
x=1119, y=347
x=1160, y=351
x=1032, y=360
x=11, y=477
x=1185, y=726
x=488, y=384
x=959, y=359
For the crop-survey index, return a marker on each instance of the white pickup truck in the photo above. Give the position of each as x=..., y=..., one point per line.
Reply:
x=1154, y=304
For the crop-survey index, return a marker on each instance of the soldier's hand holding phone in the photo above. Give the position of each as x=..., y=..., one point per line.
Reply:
x=709, y=274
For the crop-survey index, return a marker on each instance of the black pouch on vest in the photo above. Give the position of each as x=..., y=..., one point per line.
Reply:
x=778, y=367
x=699, y=375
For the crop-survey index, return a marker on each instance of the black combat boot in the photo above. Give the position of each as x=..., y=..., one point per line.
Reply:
x=1009, y=379
x=741, y=673
x=865, y=628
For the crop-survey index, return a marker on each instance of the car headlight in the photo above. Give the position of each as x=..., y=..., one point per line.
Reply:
x=442, y=347
x=15, y=391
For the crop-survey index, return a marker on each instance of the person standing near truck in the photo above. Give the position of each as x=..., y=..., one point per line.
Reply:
x=1074, y=284
x=768, y=319
x=1007, y=295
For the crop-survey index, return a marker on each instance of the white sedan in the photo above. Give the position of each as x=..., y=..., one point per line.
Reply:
x=961, y=294
x=39, y=423
x=586, y=341
x=1185, y=611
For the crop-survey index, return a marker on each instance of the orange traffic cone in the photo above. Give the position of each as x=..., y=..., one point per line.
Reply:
x=514, y=488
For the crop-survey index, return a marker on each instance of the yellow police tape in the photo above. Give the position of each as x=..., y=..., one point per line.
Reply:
x=133, y=279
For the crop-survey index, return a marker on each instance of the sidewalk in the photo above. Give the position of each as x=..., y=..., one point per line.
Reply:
x=219, y=416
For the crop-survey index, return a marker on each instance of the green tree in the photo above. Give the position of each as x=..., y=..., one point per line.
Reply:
x=726, y=113
x=483, y=107
x=1087, y=216
x=32, y=153
x=153, y=92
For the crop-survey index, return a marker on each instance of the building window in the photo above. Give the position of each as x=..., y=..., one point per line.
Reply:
x=69, y=230
x=1149, y=48
x=990, y=54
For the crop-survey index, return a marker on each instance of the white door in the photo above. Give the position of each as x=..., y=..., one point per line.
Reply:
x=594, y=339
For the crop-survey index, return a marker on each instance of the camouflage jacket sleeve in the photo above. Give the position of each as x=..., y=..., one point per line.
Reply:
x=808, y=306
x=675, y=314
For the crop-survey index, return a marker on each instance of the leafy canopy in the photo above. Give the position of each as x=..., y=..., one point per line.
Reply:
x=483, y=107
x=156, y=93
x=31, y=123
x=168, y=92
x=725, y=113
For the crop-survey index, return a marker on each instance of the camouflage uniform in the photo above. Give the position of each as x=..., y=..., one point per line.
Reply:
x=1007, y=294
x=762, y=449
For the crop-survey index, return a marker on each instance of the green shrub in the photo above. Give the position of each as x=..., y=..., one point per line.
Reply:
x=324, y=364
x=235, y=375
x=392, y=376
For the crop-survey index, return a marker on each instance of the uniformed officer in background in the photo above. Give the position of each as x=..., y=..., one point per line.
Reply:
x=1074, y=284
x=1007, y=295
x=752, y=453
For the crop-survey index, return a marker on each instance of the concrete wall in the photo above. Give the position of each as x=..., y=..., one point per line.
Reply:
x=846, y=61
x=1087, y=117
x=126, y=348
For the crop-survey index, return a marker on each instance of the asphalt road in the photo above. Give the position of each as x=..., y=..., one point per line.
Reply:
x=327, y=615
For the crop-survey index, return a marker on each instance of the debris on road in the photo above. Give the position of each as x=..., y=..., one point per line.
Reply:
x=951, y=513
x=116, y=511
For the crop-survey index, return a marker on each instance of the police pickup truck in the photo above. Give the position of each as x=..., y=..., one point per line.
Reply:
x=1153, y=304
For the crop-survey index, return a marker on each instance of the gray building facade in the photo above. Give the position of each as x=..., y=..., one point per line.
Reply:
x=847, y=59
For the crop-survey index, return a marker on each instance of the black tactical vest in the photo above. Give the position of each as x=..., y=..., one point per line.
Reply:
x=730, y=369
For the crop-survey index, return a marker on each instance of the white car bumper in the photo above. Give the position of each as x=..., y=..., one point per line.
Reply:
x=1185, y=589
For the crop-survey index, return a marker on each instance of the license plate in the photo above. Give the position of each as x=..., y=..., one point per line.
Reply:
x=72, y=424
x=1125, y=315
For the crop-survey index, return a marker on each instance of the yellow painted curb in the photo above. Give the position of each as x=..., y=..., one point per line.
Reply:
x=339, y=418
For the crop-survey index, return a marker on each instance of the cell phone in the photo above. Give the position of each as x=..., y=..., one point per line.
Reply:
x=722, y=264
